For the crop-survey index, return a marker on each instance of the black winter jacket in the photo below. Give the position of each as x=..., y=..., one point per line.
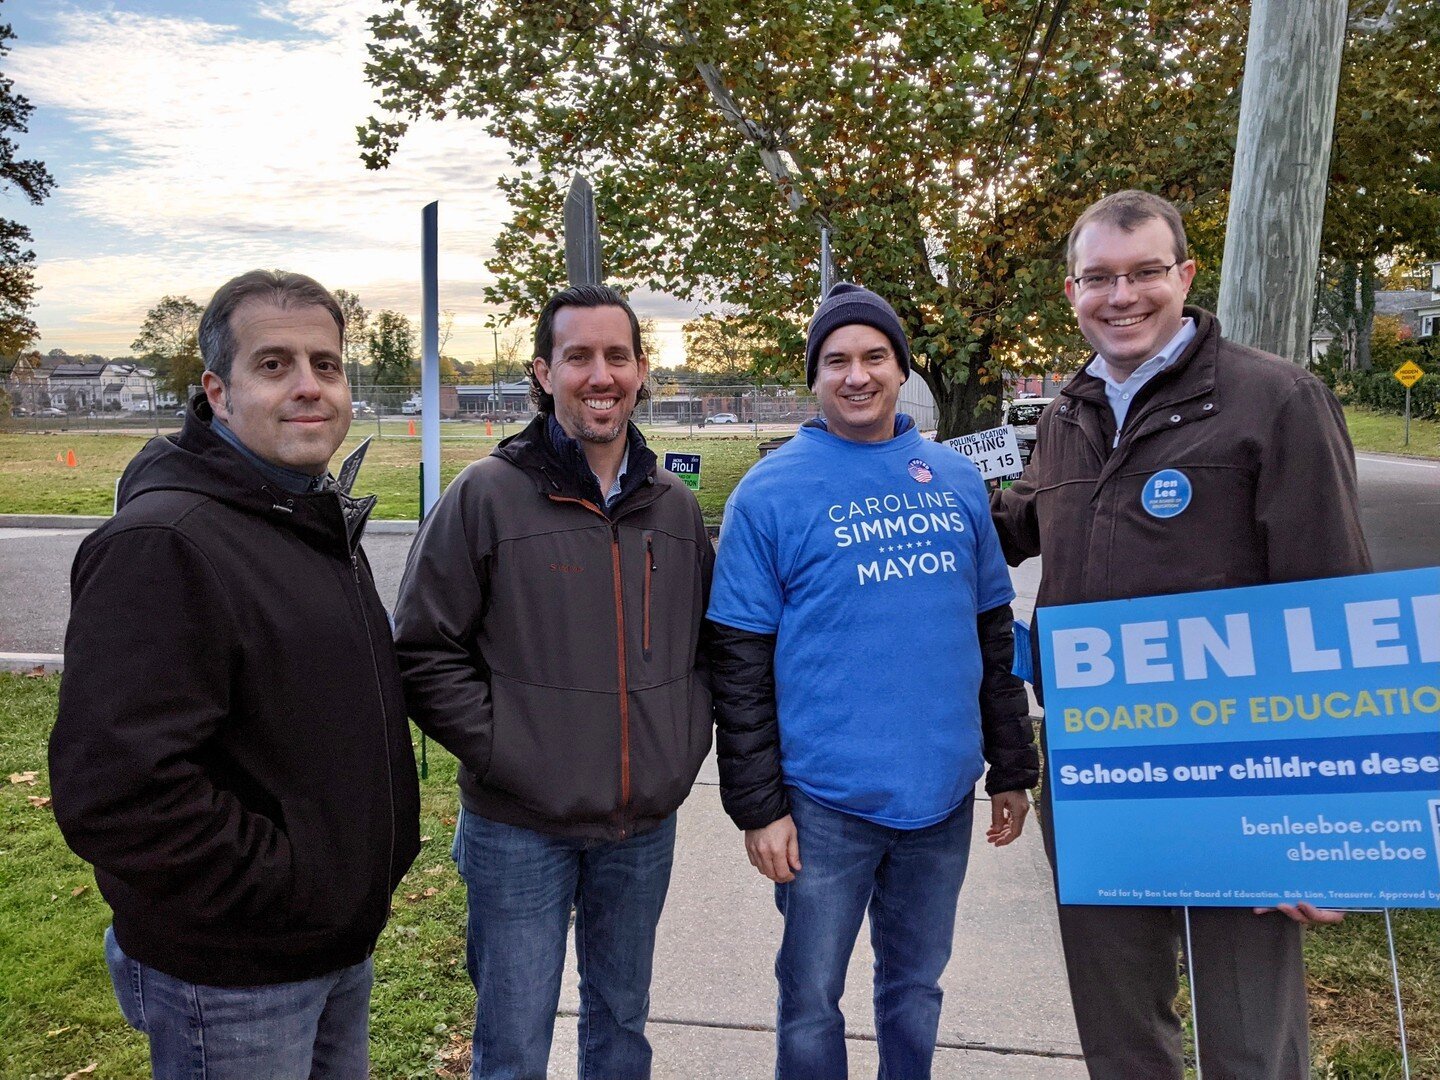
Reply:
x=231, y=751
x=551, y=644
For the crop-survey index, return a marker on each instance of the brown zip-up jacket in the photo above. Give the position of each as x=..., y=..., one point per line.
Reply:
x=1263, y=445
x=551, y=643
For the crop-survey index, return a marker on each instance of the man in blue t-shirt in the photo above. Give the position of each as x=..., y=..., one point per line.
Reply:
x=861, y=630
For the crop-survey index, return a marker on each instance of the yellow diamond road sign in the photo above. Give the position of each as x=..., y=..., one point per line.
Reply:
x=1409, y=373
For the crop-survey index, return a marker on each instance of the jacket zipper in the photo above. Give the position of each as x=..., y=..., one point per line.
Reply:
x=384, y=713
x=624, y=681
x=649, y=569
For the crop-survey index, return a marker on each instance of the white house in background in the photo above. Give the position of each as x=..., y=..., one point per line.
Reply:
x=1429, y=313
x=132, y=386
x=77, y=387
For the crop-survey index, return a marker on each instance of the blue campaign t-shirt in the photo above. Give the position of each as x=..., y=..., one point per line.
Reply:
x=869, y=562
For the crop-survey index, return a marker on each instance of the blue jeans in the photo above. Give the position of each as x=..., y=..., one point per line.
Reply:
x=288, y=1031
x=910, y=881
x=521, y=887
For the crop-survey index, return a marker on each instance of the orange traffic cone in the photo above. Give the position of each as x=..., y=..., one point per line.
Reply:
x=488, y=429
x=70, y=458
x=412, y=427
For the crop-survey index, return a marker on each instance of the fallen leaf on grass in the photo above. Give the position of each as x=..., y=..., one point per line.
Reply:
x=36, y=672
x=447, y=821
x=27, y=778
x=58, y=1031
x=78, y=889
x=433, y=870
x=416, y=897
x=38, y=801
x=425, y=839
x=86, y=1071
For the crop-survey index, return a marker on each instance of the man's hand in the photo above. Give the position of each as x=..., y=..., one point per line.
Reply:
x=1305, y=914
x=775, y=849
x=1007, y=817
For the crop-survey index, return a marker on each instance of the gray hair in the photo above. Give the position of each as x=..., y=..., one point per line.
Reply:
x=278, y=287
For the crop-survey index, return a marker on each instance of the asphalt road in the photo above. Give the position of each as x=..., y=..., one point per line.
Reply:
x=1399, y=505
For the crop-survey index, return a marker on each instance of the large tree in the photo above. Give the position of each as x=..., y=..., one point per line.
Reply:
x=356, y=340
x=34, y=182
x=727, y=347
x=1383, y=203
x=392, y=350
x=169, y=342
x=946, y=143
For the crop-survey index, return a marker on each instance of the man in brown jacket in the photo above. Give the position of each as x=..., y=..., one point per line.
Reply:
x=1258, y=453
x=547, y=628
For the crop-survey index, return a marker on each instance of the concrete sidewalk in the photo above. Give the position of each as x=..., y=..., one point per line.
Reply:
x=1006, y=1013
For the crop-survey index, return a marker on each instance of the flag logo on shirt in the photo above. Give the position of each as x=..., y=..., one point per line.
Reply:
x=919, y=471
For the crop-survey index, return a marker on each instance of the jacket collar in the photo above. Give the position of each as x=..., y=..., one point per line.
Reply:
x=562, y=471
x=1183, y=393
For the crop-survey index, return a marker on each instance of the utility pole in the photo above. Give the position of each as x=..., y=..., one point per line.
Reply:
x=1282, y=167
x=495, y=389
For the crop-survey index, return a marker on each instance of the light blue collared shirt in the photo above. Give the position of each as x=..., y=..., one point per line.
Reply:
x=1120, y=394
x=614, y=492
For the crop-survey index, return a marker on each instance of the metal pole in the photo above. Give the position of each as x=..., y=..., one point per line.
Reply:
x=1407, y=416
x=495, y=378
x=430, y=355
x=1399, y=1004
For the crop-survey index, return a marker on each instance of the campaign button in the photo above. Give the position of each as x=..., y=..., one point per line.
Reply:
x=1166, y=494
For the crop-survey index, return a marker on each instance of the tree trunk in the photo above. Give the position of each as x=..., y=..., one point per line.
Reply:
x=957, y=404
x=1365, y=315
x=1282, y=164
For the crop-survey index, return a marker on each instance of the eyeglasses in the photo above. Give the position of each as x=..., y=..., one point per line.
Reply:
x=1147, y=277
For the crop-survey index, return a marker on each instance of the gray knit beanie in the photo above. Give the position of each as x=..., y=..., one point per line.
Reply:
x=844, y=305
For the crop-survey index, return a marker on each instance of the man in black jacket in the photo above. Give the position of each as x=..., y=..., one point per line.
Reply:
x=862, y=682
x=547, y=626
x=231, y=751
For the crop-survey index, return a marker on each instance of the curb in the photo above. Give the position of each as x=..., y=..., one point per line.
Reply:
x=19, y=661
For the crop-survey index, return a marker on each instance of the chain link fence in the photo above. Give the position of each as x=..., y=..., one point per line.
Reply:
x=478, y=410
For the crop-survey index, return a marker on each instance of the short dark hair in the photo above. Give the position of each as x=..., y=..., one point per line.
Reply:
x=278, y=287
x=584, y=296
x=1128, y=210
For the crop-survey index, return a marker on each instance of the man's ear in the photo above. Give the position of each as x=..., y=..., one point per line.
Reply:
x=215, y=394
x=542, y=374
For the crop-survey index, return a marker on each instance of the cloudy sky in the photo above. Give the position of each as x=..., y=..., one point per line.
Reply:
x=191, y=141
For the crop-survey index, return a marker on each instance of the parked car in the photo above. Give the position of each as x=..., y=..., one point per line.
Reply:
x=723, y=418
x=51, y=411
x=19, y=411
x=1023, y=415
x=359, y=409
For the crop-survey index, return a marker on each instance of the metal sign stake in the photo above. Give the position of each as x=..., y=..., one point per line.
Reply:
x=1394, y=963
x=1194, y=1012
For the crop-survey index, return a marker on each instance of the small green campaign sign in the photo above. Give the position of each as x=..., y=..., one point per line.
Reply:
x=686, y=467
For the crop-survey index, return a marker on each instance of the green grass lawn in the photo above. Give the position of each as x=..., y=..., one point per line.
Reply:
x=57, y=1013
x=1384, y=433
x=32, y=481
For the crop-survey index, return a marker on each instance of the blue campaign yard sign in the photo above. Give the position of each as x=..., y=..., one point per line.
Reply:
x=1248, y=746
x=685, y=466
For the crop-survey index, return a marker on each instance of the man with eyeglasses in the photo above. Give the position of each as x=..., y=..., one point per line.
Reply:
x=1254, y=452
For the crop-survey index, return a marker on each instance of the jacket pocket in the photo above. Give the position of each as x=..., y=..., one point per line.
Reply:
x=670, y=728
x=554, y=750
x=332, y=866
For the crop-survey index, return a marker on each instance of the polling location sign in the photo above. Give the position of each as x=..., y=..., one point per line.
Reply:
x=994, y=451
x=686, y=467
x=1248, y=746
